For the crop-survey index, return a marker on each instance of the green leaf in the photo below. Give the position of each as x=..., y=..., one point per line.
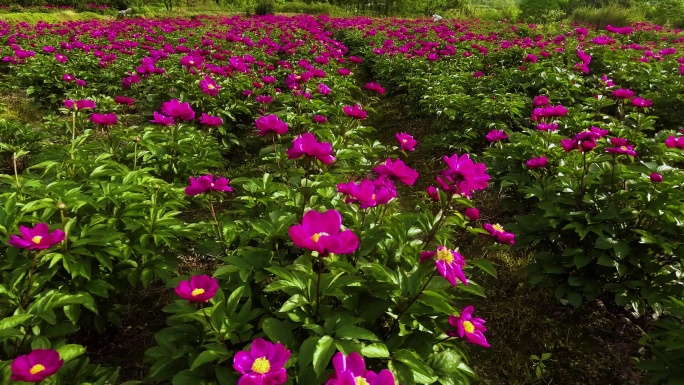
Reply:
x=484, y=265
x=70, y=351
x=14, y=320
x=422, y=372
x=278, y=331
x=204, y=358
x=377, y=350
x=325, y=348
x=294, y=302
x=306, y=352
x=403, y=373
x=581, y=260
x=350, y=331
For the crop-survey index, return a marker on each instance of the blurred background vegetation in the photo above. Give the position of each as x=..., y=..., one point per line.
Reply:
x=598, y=13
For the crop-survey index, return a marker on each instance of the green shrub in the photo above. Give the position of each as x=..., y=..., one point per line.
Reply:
x=540, y=10
x=264, y=7
x=613, y=14
x=310, y=9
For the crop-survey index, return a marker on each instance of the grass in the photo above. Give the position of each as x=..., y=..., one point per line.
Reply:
x=52, y=17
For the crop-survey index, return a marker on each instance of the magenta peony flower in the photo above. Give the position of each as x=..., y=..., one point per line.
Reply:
x=406, y=141
x=209, y=120
x=323, y=89
x=355, y=111
x=367, y=193
x=321, y=232
x=540, y=101
x=270, y=124
x=124, y=100
x=209, y=86
x=344, y=71
x=80, y=83
x=496, y=135
x=306, y=144
x=468, y=326
x=69, y=104
x=37, y=238
x=623, y=93
x=264, y=99
x=207, y=183
x=85, y=104
x=175, y=109
x=433, y=192
x=449, y=264
x=375, y=87
x=263, y=364
x=200, y=288
x=104, y=119
x=68, y=78
x=656, y=178
x=478, y=74
x=463, y=175
x=674, y=142
x=36, y=366
x=351, y=370
x=320, y=119
x=472, y=214
x=498, y=232
x=641, y=102
x=397, y=169
x=544, y=126
x=621, y=146
x=162, y=119
x=549, y=112
x=537, y=162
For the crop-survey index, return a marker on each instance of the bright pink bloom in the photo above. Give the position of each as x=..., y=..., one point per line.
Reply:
x=209, y=86
x=367, y=193
x=69, y=104
x=85, y=104
x=463, y=175
x=207, y=183
x=37, y=238
x=175, y=109
x=468, y=326
x=607, y=82
x=549, y=112
x=200, y=288
x=323, y=89
x=496, y=135
x=375, y=87
x=544, y=126
x=270, y=124
x=320, y=119
x=656, y=178
x=264, y=99
x=68, y=78
x=449, y=264
x=540, y=101
x=36, y=366
x=104, y=119
x=478, y=74
x=306, y=144
x=162, y=119
x=537, y=162
x=397, y=169
x=80, y=82
x=674, y=142
x=263, y=364
x=623, y=93
x=355, y=111
x=124, y=100
x=209, y=120
x=322, y=232
x=641, y=102
x=351, y=370
x=472, y=214
x=344, y=71
x=433, y=192
x=406, y=141
x=498, y=232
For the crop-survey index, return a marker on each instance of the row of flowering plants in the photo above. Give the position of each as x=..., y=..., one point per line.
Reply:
x=319, y=272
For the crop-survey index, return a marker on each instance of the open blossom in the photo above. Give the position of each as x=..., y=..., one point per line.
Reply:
x=584, y=141
x=322, y=232
x=368, y=193
x=175, y=109
x=209, y=120
x=498, y=232
x=537, y=162
x=621, y=146
x=375, y=87
x=85, y=104
x=37, y=238
x=674, y=142
x=68, y=78
x=323, y=89
x=104, y=119
x=264, y=99
x=463, y=175
x=607, y=82
x=36, y=366
x=641, y=102
x=623, y=93
x=406, y=141
x=162, y=119
x=545, y=126
x=549, y=112
x=344, y=71
x=124, y=100
x=206, y=183
x=355, y=111
x=397, y=169
x=469, y=327
x=540, y=101
x=449, y=264
x=270, y=124
x=320, y=119
x=209, y=86
x=200, y=288
x=263, y=364
x=351, y=370
x=496, y=135
x=306, y=144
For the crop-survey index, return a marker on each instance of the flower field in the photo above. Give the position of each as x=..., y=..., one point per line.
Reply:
x=227, y=163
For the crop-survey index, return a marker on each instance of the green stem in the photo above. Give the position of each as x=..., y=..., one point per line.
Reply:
x=355, y=259
x=411, y=302
x=306, y=186
x=318, y=285
x=16, y=173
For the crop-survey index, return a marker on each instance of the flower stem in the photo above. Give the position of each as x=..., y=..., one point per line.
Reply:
x=411, y=302
x=16, y=173
x=306, y=186
x=355, y=259
x=211, y=325
x=318, y=285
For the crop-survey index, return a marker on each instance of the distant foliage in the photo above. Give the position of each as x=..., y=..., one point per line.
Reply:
x=613, y=14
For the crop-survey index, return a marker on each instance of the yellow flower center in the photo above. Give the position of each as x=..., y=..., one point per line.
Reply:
x=623, y=148
x=318, y=236
x=36, y=239
x=298, y=77
x=37, y=368
x=404, y=140
x=468, y=327
x=445, y=255
x=261, y=365
x=361, y=381
x=373, y=197
x=498, y=227
x=196, y=292
x=209, y=86
x=191, y=62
